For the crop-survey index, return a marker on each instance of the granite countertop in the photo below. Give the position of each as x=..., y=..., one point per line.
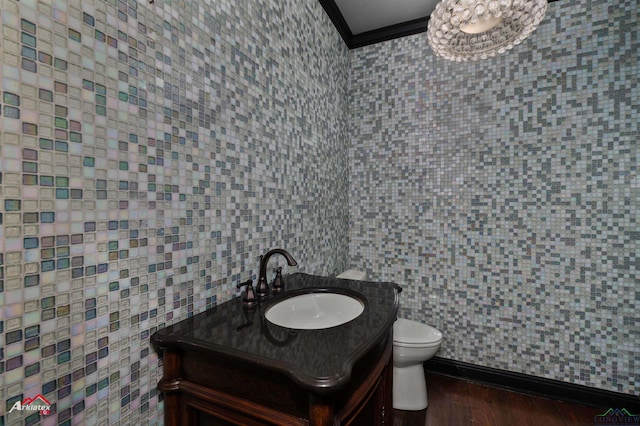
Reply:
x=319, y=360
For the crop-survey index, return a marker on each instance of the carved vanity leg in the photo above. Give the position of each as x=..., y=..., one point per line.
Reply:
x=321, y=411
x=169, y=385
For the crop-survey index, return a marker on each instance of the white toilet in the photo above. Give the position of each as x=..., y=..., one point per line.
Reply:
x=413, y=344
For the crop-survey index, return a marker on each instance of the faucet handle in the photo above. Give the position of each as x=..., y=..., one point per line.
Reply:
x=249, y=299
x=278, y=283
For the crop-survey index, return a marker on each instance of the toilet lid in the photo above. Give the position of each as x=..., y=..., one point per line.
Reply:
x=407, y=331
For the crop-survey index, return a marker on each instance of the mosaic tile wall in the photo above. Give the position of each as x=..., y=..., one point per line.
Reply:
x=503, y=194
x=149, y=154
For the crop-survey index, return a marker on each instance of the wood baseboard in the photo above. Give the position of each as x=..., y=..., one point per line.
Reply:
x=533, y=385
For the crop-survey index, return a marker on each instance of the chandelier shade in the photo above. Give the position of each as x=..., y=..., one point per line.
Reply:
x=469, y=30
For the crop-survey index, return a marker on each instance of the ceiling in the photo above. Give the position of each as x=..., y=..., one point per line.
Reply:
x=369, y=15
x=364, y=22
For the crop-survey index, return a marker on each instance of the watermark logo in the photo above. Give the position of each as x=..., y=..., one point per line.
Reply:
x=39, y=403
x=617, y=416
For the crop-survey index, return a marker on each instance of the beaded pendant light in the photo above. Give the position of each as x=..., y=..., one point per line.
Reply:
x=468, y=30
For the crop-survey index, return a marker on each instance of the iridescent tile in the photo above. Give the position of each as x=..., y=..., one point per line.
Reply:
x=64, y=392
x=48, y=241
x=74, y=35
x=45, y=95
x=62, y=146
x=13, y=363
x=100, y=110
x=12, y=205
x=103, y=383
x=31, y=217
x=64, y=310
x=46, y=144
x=74, y=125
x=28, y=39
x=29, y=65
x=29, y=154
x=29, y=167
x=89, y=162
x=63, y=246
x=75, y=376
x=60, y=87
x=61, y=134
x=29, y=53
x=31, y=280
x=11, y=112
x=62, y=181
x=47, y=302
x=47, y=253
x=60, y=64
x=46, y=181
x=11, y=99
x=75, y=137
x=100, y=36
x=31, y=344
x=62, y=193
x=64, y=345
x=13, y=337
x=62, y=358
x=61, y=123
x=30, y=129
x=28, y=26
x=45, y=352
x=101, y=89
x=45, y=58
x=87, y=84
x=88, y=19
x=47, y=217
x=34, y=368
x=77, y=239
x=47, y=265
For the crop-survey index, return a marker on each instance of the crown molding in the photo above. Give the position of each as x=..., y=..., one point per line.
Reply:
x=353, y=41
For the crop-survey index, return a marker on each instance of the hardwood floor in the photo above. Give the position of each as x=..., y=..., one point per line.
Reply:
x=455, y=402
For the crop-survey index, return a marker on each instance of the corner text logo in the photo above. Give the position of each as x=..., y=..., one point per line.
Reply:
x=39, y=403
x=617, y=416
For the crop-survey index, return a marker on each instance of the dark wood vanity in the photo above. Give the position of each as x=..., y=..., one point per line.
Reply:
x=230, y=366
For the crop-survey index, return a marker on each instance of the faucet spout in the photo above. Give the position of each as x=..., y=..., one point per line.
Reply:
x=262, y=290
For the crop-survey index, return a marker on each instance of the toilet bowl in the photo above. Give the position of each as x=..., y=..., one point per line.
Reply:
x=413, y=344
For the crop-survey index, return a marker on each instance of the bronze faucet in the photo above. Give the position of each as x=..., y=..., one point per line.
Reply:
x=262, y=289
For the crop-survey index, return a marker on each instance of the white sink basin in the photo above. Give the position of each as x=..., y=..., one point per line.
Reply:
x=314, y=311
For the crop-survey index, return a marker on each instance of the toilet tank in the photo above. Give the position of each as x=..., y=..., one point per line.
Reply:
x=353, y=274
